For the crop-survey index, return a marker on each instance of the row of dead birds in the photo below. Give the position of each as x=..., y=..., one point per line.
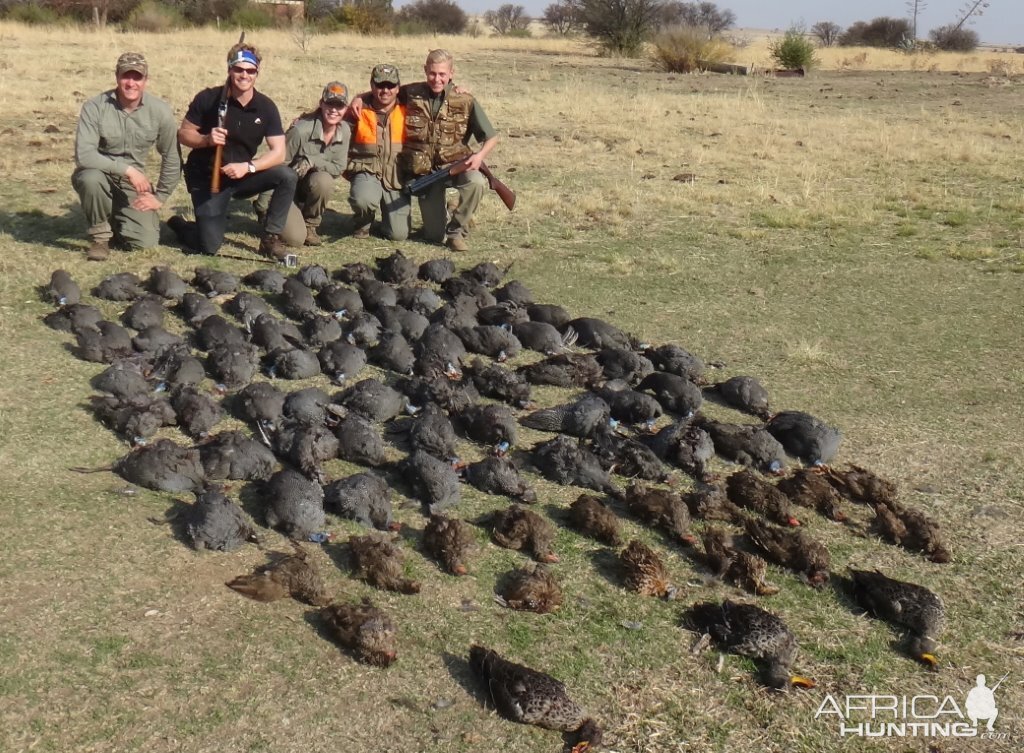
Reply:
x=336, y=324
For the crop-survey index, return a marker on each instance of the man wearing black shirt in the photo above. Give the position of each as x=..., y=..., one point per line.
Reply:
x=251, y=118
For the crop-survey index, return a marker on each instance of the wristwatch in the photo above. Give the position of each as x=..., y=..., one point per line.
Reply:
x=252, y=168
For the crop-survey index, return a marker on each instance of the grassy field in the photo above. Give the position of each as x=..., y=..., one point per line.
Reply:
x=855, y=239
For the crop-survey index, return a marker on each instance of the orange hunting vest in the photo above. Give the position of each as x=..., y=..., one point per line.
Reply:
x=366, y=155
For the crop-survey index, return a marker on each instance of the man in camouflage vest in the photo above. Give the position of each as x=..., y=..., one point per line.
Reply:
x=116, y=131
x=439, y=124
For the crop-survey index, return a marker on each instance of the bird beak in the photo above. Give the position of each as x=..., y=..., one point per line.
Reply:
x=802, y=682
x=931, y=660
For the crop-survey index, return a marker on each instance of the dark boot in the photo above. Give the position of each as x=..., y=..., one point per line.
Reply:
x=98, y=251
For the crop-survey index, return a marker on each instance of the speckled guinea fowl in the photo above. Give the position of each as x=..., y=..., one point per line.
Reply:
x=499, y=474
x=686, y=447
x=593, y=518
x=449, y=541
x=543, y=337
x=267, y=280
x=196, y=411
x=215, y=522
x=308, y=406
x=644, y=571
x=235, y=456
x=364, y=629
x=176, y=367
x=791, y=548
x=629, y=406
x=135, y=419
x=741, y=568
x=124, y=378
x=296, y=300
x=748, y=490
x=533, y=589
x=380, y=562
x=904, y=605
x=341, y=361
x=319, y=330
x=494, y=380
x=624, y=364
x=804, y=436
x=105, y=342
x=490, y=424
x=122, y=286
x=527, y=696
x=163, y=466
x=410, y=324
x=259, y=403
x=73, y=317
x=579, y=419
x=306, y=446
x=393, y=352
x=435, y=482
x=233, y=366
x=362, y=497
x=194, y=308
x=598, y=334
x=514, y=291
x=457, y=313
x=549, y=313
x=563, y=461
x=313, y=276
x=431, y=431
x=420, y=300
x=145, y=311
x=625, y=455
x=745, y=444
x=502, y=315
x=166, y=283
x=497, y=342
x=376, y=294
x=744, y=393
x=373, y=400
x=753, y=632
x=521, y=529
x=340, y=300
x=359, y=441
x=62, y=289
x=292, y=363
x=295, y=504
x=436, y=270
x=660, y=508
x=675, y=393
x=216, y=331
x=565, y=370
x=213, y=282
x=677, y=360
x=294, y=575
x=271, y=333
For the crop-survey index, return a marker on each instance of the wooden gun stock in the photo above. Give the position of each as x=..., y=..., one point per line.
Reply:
x=218, y=156
x=506, y=194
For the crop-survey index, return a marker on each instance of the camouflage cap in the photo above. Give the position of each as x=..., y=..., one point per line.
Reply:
x=335, y=93
x=132, y=61
x=385, y=73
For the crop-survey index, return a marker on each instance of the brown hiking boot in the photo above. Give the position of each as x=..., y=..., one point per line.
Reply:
x=272, y=247
x=261, y=217
x=312, y=239
x=456, y=243
x=98, y=251
x=361, y=232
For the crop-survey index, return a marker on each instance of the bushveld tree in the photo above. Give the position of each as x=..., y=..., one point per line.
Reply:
x=434, y=16
x=971, y=8
x=705, y=16
x=879, y=32
x=562, y=18
x=826, y=32
x=508, y=19
x=954, y=39
x=366, y=16
x=620, y=26
x=915, y=7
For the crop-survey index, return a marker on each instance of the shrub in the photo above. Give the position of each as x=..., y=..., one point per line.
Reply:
x=620, y=26
x=153, y=17
x=706, y=16
x=879, y=32
x=433, y=16
x=32, y=14
x=794, y=50
x=508, y=20
x=251, y=17
x=681, y=49
x=366, y=19
x=827, y=32
x=562, y=18
x=954, y=39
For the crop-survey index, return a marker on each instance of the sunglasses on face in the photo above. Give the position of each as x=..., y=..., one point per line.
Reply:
x=386, y=85
x=239, y=71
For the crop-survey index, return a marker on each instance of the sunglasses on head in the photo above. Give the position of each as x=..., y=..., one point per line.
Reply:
x=386, y=85
x=239, y=70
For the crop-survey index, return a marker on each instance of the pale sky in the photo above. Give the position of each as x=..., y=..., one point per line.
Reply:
x=1001, y=23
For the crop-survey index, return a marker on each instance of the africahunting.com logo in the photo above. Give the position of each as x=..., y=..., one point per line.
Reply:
x=915, y=716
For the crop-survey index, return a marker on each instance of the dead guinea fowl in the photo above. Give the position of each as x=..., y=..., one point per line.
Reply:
x=166, y=283
x=62, y=289
x=340, y=300
x=341, y=361
x=494, y=380
x=319, y=330
x=216, y=331
x=519, y=528
x=527, y=696
x=549, y=313
x=629, y=406
x=233, y=366
x=904, y=605
x=393, y=352
x=364, y=629
x=452, y=396
x=500, y=475
x=297, y=300
x=439, y=344
x=136, y=418
x=624, y=364
x=487, y=273
x=194, y=308
x=684, y=446
x=260, y=403
x=235, y=456
x=197, y=412
x=292, y=363
x=381, y=563
x=515, y=292
x=373, y=400
x=497, y=342
x=145, y=311
x=625, y=455
x=313, y=276
x=176, y=367
x=74, y=317
x=563, y=461
x=359, y=441
x=598, y=334
x=106, y=342
x=124, y=379
x=308, y=406
x=435, y=481
x=397, y=268
x=418, y=299
x=436, y=270
x=678, y=361
x=448, y=540
x=675, y=393
x=503, y=315
x=294, y=575
x=163, y=466
x=431, y=431
x=748, y=490
x=745, y=444
x=295, y=504
x=123, y=286
x=353, y=272
x=543, y=337
x=579, y=419
x=376, y=294
x=306, y=446
x=660, y=508
x=362, y=329
x=215, y=522
x=533, y=589
x=267, y=280
x=491, y=424
x=362, y=497
x=155, y=340
x=271, y=333
x=403, y=321
x=566, y=370
x=213, y=282
x=750, y=631
x=805, y=437
x=593, y=518
x=744, y=393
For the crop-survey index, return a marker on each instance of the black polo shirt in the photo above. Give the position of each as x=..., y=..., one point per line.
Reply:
x=247, y=127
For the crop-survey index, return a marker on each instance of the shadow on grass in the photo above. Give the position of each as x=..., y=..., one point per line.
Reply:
x=38, y=227
x=458, y=667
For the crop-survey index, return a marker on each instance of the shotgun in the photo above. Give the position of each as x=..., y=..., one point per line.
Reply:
x=222, y=115
x=420, y=185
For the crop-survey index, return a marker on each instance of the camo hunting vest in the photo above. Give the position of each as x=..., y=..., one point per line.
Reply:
x=432, y=142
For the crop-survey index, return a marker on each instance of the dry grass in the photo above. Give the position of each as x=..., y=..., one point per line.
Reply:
x=852, y=238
